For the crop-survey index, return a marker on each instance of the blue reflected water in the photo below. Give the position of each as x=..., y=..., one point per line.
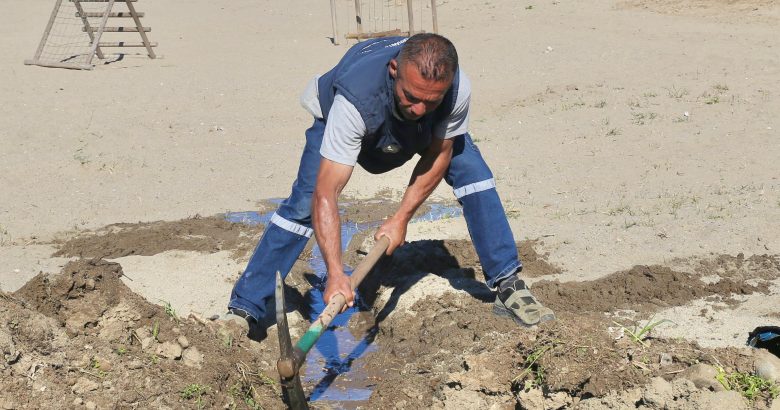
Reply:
x=331, y=366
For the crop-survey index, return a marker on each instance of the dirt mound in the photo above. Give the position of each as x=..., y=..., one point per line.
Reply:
x=451, y=351
x=82, y=337
x=642, y=289
x=202, y=234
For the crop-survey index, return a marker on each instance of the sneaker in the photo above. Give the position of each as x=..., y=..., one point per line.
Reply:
x=514, y=299
x=240, y=317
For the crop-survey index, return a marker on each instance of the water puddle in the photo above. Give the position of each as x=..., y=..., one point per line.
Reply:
x=332, y=368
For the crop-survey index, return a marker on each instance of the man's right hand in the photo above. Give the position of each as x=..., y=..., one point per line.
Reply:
x=338, y=282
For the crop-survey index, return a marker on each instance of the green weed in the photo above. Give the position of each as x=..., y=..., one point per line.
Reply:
x=712, y=99
x=639, y=334
x=170, y=311
x=600, y=104
x=534, y=372
x=748, y=385
x=194, y=391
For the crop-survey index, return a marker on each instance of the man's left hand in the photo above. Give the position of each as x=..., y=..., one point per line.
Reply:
x=395, y=230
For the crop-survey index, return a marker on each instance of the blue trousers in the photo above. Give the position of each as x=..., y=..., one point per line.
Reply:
x=290, y=227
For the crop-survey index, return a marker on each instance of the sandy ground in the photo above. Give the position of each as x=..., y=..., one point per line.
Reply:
x=620, y=133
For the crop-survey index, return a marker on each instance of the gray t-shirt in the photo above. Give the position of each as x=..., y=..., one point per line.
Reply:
x=345, y=128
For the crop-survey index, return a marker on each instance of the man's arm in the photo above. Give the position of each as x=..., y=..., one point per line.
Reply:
x=427, y=174
x=331, y=179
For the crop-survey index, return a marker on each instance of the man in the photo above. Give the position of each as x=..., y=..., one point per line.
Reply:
x=387, y=100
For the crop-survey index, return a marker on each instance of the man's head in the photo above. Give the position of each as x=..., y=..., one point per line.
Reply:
x=423, y=73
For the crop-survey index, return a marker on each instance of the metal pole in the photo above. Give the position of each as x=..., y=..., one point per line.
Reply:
x=433, y=16
x=333, y=22
x=410, y=11
x=359, y=17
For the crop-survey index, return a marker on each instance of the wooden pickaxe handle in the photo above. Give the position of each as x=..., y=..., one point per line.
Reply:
x=288, y=367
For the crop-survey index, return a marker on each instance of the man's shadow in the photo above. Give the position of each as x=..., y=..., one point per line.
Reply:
x=407, y=266
x=413, y=262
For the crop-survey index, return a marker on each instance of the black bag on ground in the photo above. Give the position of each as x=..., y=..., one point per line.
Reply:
x=766, y=337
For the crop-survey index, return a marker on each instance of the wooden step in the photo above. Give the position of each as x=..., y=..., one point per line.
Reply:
x=125, y=44
x=114, y=14
x=117, y=29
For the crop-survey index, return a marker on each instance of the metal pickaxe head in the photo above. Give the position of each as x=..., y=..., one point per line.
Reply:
x=292, y=391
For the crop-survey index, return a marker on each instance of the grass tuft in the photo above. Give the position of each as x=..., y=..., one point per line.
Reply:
x=640, y=334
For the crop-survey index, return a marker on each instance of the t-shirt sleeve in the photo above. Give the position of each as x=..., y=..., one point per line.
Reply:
x=344, y=131
x=458, y=121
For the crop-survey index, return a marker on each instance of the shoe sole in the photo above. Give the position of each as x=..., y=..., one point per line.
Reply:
x=504, y=312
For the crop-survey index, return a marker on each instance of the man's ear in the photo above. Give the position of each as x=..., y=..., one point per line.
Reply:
x=392, y=68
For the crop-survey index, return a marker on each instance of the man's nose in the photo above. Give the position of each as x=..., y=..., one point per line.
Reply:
x=418, y=109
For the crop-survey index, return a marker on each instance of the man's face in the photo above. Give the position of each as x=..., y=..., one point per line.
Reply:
x=414, y=95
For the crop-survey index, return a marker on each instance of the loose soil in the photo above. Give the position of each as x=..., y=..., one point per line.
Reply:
x=82, y=338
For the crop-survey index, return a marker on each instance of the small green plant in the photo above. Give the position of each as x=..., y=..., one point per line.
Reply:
x=639, y=334
x=170, y=311
x=154, y=359
x=227, y=339
x=534, y=373
x=529, y=7
x=748, y=385
x=649, y=94
x=121, y=350
x=640, y=118
x=93, y=369
x=721, y=88
x=245, y=393
x=613, y=132
x=712, y=99
x=156, y=330
x=194, y=391
x=676, y=93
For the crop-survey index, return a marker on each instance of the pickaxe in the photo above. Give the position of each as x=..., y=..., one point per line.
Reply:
x=291, y=357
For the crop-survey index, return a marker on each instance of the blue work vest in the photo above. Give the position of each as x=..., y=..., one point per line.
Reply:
x=363, y=78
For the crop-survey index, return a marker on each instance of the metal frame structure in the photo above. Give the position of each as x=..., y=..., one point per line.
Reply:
x=361, y=34
x=95, y=33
